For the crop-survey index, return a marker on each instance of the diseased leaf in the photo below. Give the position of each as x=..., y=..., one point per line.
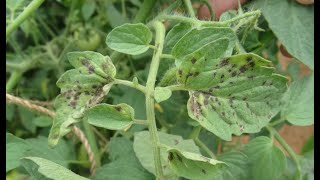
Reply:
x=124, y=163
x=81, y=88
x=15, y=149
x=115, y=117
x=194, y=166
x=268, y=161
x=130, y=39
x=40, y=168
x=299, y=102
x=299, y=39
x=143, y=148
x=197, y=39
x=234, y=95
x=162, y=94
x=174, y=35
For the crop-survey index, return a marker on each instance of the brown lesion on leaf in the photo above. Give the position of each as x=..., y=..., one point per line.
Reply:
x=195, y=106
x=249, y=58
x=243, y=68
x=224, y=62
x=203, y=171
x=118, y=108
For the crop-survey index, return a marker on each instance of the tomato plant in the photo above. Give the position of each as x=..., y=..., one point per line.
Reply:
x=135, y=90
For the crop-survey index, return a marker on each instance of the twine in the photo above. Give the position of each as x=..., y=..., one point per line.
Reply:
x=75, y=130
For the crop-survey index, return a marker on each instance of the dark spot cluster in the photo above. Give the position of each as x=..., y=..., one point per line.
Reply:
x=87, y=64
x=118, y=108
x=224, y=62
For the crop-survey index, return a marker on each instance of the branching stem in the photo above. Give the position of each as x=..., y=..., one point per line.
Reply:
x=154, y=66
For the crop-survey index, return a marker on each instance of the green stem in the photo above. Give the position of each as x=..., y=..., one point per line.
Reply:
x=13, y=80
x=188, y=5
x=23, y=16
x=284, y=144
x=168, y=56
x=154, y=66
x=141, y=122
x=14, y=66
x=212, y=16
x=92, y=141
x=281, y=120
x=177, y=88
x=131, y=84
x=123, y=8
x=195, y=136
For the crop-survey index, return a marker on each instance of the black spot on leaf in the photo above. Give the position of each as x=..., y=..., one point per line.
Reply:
x=203, y=171
x=224, y=62
x=193, y=60
x=196, y=74
x=243, y=68
x=234, y=73
x=118, y=108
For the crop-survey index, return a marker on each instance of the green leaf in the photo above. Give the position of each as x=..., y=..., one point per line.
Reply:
x=237, y=165
x=143, y=148
x=308, y=145
x=194, y=166
x=162, y=94
x=234, y=95
x=88, y=9
x=174, y=35
x=27, y=118
x=130, y=39
x=115, y=117
x=42, y=121
x=62, y=154
x=124, y=163
x=81, y=88
x=299, y=102
x=196, y=39
x=39, y=167
x=299, y=39
x=15, y=149
x=268, y=161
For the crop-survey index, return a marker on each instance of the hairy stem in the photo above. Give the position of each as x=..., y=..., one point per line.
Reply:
x=23, y=16
x=154, y=66
x=92, y=141
x=284, y=144
x=188, y=5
